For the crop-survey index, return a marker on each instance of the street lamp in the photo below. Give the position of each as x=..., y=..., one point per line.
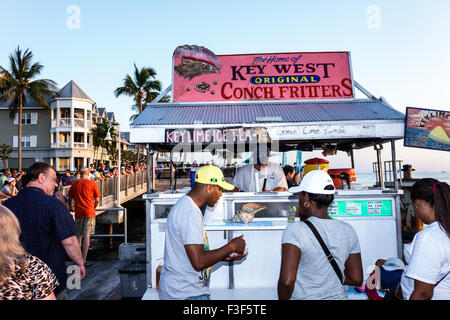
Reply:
x=108, y=138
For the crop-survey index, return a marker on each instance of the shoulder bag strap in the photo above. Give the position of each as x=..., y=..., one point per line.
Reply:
x=442, y=279
x=330, y=257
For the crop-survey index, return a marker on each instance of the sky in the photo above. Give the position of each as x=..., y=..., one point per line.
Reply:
x=399, y=49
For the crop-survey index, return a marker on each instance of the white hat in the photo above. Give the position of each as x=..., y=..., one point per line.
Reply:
x=315, y=181
x=10, y=179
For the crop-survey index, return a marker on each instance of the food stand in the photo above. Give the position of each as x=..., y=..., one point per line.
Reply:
x=343, y=124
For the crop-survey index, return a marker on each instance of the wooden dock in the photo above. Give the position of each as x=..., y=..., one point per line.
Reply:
x=102, y=282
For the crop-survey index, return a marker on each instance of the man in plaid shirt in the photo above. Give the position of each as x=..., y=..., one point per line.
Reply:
x=48, y=229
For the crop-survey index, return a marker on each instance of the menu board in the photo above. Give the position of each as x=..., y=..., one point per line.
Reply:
x=360, y=208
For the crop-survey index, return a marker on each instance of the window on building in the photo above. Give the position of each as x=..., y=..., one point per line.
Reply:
x=64, y=137
x=78, y=137
x=78, y=113
x=64, y=113
x=63, y=164
x=27, y=118
x=27, y=141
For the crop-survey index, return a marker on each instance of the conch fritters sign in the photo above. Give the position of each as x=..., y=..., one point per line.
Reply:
x=200, y=75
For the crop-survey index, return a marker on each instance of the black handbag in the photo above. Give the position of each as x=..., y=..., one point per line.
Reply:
x=328, y=254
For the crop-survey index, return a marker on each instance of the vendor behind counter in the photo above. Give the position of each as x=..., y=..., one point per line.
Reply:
x=261, y=175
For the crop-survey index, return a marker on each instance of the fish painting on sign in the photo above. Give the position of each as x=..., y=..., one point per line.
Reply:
x=427, y=128
x=199, y=75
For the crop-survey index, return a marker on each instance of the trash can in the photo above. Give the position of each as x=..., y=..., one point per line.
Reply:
x=133, y=280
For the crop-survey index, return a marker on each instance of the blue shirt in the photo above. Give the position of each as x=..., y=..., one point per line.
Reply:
x=45, y=222
x=67, y=180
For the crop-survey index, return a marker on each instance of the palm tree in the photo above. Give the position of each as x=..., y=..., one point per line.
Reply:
x=142, y=86
x=5, y=151
x=99, y=132
x=148, y=98
x=16, y=85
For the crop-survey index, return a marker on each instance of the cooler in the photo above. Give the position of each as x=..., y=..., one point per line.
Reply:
x=315, y=164
x=336, y=175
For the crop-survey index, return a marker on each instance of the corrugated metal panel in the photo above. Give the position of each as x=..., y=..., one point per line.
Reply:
x=175, y=113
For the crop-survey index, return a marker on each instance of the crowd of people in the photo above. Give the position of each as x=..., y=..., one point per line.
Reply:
x=38, y=231
x=11, y=180
x=316, y=242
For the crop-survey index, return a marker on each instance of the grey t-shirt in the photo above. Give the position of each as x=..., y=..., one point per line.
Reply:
x=179, y=279
x=316, y=278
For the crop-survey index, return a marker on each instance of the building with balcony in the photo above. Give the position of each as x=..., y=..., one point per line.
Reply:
x=61, y=136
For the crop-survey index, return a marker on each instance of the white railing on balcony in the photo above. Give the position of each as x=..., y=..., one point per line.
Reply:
x=53, y=145
x=78, y=145
x=64, y=144
x=64, y=122
x=78, y=123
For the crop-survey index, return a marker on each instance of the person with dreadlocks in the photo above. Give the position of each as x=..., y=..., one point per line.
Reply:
x=427, y=275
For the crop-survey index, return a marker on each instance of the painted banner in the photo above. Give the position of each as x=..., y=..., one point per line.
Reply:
x=427, y=128
x=199, y=75
x=210, y=135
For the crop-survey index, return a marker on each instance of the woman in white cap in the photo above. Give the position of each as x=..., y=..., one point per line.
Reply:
x=319, y=254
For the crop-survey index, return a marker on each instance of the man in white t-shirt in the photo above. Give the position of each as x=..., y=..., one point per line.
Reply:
x=187, y=258
x=262, y=175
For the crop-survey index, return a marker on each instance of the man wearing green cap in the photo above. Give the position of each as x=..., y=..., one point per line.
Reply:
x=187, y=258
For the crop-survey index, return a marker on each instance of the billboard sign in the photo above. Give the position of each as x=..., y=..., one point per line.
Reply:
x=427, y=128
x=199, y=75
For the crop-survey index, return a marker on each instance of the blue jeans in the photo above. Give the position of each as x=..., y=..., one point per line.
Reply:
x=202, y=297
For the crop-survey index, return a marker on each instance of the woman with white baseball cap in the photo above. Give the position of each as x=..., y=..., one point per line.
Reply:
x=319, y=254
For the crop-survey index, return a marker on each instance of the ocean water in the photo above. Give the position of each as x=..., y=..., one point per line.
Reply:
x=368, y=178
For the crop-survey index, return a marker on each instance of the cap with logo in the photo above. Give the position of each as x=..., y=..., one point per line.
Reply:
x=212, y=175
x=315, y=181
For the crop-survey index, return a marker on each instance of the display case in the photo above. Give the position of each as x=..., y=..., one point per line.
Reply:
x=374, y=214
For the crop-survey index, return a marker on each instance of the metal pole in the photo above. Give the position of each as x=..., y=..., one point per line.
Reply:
x=380, y=165
x=125, y=224
x=171, y=170
x=118, y=177
x=394, y=163
x=352, y=158
x=148, y=240
x=149, y=169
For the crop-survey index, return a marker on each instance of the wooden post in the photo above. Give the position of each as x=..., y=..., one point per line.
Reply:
x=110, y=238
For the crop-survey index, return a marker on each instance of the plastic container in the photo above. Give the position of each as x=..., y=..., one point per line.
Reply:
x=192, y=175
x=315, y=164
x=291, y=214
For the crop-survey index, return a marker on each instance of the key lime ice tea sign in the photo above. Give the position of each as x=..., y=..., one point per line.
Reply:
x=200, y=75
x=360, y=208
